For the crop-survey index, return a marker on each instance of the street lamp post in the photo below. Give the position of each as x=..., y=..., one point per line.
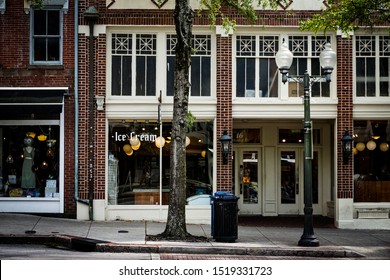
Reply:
x=284, y=59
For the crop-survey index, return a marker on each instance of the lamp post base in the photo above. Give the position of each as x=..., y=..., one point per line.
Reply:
x=308, y=241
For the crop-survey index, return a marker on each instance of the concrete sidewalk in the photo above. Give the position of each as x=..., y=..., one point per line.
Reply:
x=130, y=236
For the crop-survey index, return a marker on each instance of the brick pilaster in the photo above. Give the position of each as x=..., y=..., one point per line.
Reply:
x=344, y=114
x=224, y=108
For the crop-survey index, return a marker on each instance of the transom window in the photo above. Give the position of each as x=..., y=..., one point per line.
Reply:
x=133, y=64
x=200, y=72
x=372, y=66
x=46, y=36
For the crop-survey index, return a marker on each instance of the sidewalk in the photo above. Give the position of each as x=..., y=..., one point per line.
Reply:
x=129, y=236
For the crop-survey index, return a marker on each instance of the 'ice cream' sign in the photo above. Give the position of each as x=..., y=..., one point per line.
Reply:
x=142, y=137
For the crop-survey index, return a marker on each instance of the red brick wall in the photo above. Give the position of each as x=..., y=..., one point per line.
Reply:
x=344, y=114
x=224, y=86
x=15, y=71
x=224, y=109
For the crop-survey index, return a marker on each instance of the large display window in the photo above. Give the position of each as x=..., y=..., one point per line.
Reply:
x=139, y=162
x=29, y=164
x=372, y=161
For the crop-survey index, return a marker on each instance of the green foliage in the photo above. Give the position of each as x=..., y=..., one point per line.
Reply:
x=214, y=10
x=349, y=15
x=190, y=119
x=37, y=4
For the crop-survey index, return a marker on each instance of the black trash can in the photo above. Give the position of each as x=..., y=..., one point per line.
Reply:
x=224, y=217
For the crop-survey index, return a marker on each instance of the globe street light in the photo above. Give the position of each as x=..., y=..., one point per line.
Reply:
x=284, y=59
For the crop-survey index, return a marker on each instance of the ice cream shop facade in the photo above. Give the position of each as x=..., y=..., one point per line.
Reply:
x=235, y=87
x=126, y=62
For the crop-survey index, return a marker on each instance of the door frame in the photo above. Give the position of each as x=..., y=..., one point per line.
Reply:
x=299, y=206
x=244, y=208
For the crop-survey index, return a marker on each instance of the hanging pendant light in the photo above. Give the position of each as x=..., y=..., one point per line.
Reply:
x=371, y=145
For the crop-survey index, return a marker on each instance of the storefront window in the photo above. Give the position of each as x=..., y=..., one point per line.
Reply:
x=139, y=171
x=372, y=161
x=30, y=161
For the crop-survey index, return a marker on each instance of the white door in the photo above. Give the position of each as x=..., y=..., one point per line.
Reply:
x=247, y=180
x=291, y=183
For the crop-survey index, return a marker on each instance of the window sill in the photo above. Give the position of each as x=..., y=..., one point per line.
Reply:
x=46, y=66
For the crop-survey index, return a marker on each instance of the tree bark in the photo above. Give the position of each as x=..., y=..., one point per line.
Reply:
x=176, y=222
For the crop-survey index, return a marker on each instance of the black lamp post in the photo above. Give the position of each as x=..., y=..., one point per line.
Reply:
x=347, y=140
x=225, y=145
x=284, y=59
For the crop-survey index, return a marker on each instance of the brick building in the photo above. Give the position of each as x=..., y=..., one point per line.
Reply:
x=122, y=155
x=37, y=107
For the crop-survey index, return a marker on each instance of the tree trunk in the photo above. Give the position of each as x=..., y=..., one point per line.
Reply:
x=176, y=222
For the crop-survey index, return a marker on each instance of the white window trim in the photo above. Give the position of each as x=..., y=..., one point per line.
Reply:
x=363, y=100
x=161, y=63
x=283, y=88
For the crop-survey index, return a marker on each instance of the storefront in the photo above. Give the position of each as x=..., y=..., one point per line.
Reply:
x=31, y=148
x=371, y=168
x=138, y=167
x=268, y=165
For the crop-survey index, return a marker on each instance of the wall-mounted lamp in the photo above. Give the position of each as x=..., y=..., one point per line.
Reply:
x=225, y=145
x=347, y=140
x=99, y=102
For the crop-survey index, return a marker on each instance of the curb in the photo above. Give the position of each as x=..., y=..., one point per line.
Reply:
x=171, y=249
x=94, y=245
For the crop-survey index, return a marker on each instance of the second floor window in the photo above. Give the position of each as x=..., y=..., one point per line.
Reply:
x=200, y=72
x=306, y=52
x=372, y=66
x=256, y=70
x=46, y=36
x=133, y=64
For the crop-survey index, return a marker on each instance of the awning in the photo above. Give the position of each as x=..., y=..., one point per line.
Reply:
x=32, y=100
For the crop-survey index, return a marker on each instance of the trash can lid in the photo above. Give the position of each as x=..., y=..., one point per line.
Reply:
x=224, y=194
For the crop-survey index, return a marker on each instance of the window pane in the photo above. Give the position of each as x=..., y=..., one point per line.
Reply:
x=263, y=81
x=370, y=76
x=53, y=27
x=151, y=76
x=240, y=77
x=39, y=22
x=170, y=75
x=39, y=49
x=206, y=76
x=384, y=76
x=371, y=166
x=195, y=76
x=116, y=74
x=126, y=75
x=250, y=78
x=274, y=79
x=140, y=76
x=134, y=169
x=53, y=51
x=360, y=77
x=18, y=162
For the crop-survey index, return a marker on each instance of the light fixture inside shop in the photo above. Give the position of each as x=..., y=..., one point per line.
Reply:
x=127, y=149
x=160, y=142
x=360, y=146
x=371, y=145
x=384, y=147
